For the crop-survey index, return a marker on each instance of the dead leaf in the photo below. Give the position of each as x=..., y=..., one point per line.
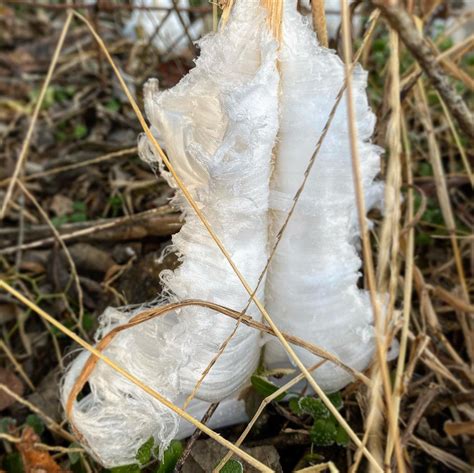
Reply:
x=34, y=459
x=14, y=383
x=8, y=312
x=459, y=428
x=205, y=455
x=61, y=205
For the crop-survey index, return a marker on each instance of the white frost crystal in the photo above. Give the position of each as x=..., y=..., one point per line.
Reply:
x=311, y=287
x=239, y=130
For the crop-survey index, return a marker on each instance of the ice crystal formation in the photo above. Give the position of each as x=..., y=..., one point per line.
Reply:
x=239, y=130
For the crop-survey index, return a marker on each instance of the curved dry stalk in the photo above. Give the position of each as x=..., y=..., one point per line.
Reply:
x=259, y=411
x=366, y=248
x=130, y=377
x=371, y=419
x=74, y=273
x=407, y=292
x=291, y=353
x=150, y=314
x=26, y=143
x=18, y=367
x=457, y=139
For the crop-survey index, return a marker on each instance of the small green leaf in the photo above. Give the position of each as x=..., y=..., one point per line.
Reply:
x=80, y=131
x=74, y=457
x=232, y=466
x=323, y=433
x=34, y=421
x=265, y=387
x=425, y=169
x=336, y=400
x=144, y=452
x=6, y=423
x=294, y=405
x=87, y=321
x=59, y=221
x=13, y=463
x=113, y=105
x=314, y=407
x=79, y=206
x=171, y=457
x=342, y=438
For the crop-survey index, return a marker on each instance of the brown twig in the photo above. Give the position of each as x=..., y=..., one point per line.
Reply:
x=171, y=223
x=26, y=143
x=380, y=333
x=194, y=437
x=401, y=21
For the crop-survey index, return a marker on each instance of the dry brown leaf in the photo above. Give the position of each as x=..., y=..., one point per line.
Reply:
x=61, y=205
x=34, y=459
x=14, y=383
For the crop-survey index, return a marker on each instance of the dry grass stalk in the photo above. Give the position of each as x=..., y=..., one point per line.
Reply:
x=441, y=455
x=50, y=423
x=69, y=167
x=403, y=23
x=457, y=140
x=259, y=411
x=322, y=467
x=26, y=143
x=17, y=365
x=275, y=11
x=99, y=355
x=149, y=314
x=398, y=388
x=459, y=428
x=381, y=347
x=319, y=21
x=387, y=266
x=446, y=208
x=74, y=274
x=42, y=446
x=373, y=418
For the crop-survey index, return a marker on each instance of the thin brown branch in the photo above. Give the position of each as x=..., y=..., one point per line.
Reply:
x=162, y=217
x=104, y=6
x=29, y=134
x=401, y=21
